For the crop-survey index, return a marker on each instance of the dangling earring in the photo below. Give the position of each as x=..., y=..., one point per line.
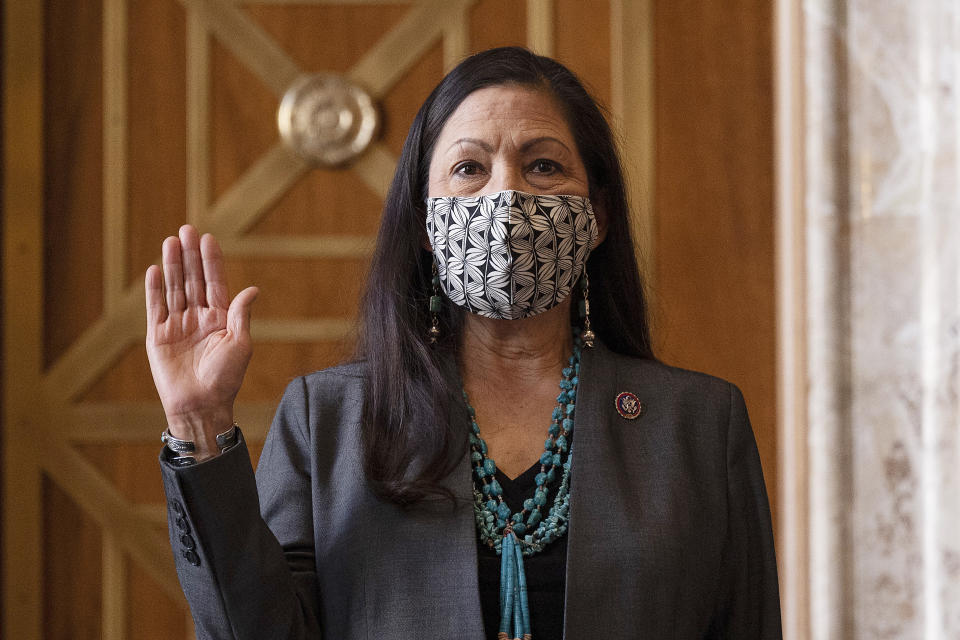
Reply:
x=434, y=332
x=588, y=336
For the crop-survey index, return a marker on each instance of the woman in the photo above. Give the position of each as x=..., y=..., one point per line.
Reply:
x=504, y=265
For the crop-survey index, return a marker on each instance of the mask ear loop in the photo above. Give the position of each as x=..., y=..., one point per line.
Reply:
x=434, y=332
x=588, y=336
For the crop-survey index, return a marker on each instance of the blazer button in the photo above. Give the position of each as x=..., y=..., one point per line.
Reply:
x=178, y=508
x=192, y=557
x=187, y=541
x=183, y=525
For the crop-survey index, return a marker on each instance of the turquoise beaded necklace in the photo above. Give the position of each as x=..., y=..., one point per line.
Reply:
x=501, y=530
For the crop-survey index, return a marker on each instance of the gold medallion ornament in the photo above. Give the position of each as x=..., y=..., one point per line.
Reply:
x=327, y=120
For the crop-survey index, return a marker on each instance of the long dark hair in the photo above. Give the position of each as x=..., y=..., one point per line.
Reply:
x=414, y=421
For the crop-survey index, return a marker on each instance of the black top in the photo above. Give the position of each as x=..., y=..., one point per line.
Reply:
x=546, y=571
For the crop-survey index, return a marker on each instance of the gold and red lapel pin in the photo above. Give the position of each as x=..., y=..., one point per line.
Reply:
x=628, y=405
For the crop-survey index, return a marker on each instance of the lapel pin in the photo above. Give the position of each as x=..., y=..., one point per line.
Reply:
x=628, y=405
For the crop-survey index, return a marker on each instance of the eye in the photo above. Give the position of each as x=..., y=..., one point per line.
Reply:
x=467, y=168
x=544, y=166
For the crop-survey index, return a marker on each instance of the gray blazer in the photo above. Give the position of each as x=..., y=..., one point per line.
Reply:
x=670, y=533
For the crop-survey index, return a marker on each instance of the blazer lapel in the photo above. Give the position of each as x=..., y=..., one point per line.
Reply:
x=598, y=597
x=421, y=578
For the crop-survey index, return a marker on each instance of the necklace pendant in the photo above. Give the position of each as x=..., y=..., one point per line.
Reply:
x=514, y=609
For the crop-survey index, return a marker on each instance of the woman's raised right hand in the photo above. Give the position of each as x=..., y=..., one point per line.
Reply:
x=198, y=341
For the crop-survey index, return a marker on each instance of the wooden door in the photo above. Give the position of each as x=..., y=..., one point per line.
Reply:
x=124, y=119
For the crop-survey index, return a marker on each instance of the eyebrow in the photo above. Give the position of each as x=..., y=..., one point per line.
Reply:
x=524, y=147
x=532, y=143
x=479, y=143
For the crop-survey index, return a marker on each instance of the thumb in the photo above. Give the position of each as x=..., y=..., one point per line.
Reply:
x=238, y=314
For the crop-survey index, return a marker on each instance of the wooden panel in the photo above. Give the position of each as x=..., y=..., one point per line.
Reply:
x=23, y=312
x=349, y=31
x=324, y=202
x=268, y=377
x=73, y=149
x=123, y=464
x=714, y=292
x=498, y=23
x=575, y=18
x=297, y=288
x=156, y=126
x=315, y=203
x=72, y=547
x=151, y=613
x=242, y=119
x=400, y=105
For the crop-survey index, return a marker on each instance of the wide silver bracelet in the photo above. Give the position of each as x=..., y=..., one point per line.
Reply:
x=225, y=441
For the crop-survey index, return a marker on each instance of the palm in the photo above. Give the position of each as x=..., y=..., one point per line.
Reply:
x=198, y=344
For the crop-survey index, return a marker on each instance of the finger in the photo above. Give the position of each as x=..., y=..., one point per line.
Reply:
x=192, y=267
x=238, y=315
x=173, y=275
x=156, y=305
x=213, y=272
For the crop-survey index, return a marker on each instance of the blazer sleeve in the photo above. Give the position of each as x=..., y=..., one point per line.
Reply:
x=750, y=602
x=242, y=578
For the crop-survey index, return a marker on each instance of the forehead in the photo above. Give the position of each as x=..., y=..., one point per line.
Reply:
x=513, y=111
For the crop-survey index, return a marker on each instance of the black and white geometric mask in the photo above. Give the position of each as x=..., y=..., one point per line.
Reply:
x=510, y=254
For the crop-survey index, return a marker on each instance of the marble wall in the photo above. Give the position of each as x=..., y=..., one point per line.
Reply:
x=881, y=283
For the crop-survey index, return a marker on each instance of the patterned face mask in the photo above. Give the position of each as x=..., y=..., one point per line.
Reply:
x=510, y=254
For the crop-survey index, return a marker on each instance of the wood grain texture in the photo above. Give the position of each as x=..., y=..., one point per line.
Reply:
x=73, y=176
x=157, y=173
x=72, y=568
x=115, y=147
x=301, y=288
x=242, y=119
x=631, y=103
x=23, y=354
x=590, y=62
x=401, y=103
x=93, y=352
x=323, y=202
x=714, y=295
x=114, y=607
x=102, y=502
x=127, y=461
x=251, y=45
x=152, y=613
x=390, y=59
x=456, y=40
x=348, y=31
x=541, y=27
x=497, y=23
x=198, y=119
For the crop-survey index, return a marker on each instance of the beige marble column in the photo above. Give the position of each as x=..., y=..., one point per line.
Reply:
x=869, y=242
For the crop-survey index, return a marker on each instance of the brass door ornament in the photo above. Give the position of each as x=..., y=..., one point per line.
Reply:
x=327, y=120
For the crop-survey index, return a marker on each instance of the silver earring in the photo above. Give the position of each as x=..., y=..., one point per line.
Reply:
x=434, y=332
x=588, y=336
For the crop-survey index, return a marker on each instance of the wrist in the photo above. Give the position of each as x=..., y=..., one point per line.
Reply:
x=200, y=427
